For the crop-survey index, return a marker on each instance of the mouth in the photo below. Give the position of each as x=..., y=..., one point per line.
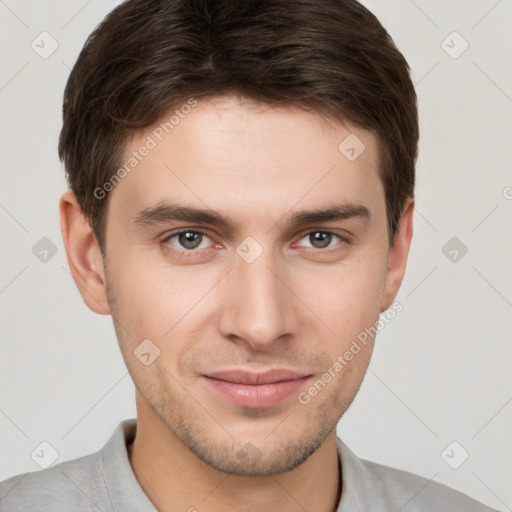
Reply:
x=257, y=390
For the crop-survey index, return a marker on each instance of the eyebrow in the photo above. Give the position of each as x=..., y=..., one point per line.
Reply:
x=167, y=212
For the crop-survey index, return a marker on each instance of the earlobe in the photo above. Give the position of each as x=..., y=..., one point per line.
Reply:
x=398, y=254
x=83, y=254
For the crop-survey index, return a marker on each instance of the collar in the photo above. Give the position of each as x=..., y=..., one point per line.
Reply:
x=126, y=493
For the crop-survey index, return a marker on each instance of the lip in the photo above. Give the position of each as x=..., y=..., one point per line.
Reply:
x=257, y=390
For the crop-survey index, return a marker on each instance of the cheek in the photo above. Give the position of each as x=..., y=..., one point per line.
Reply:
x=346, y=297
x=144, y=291
x=158, y=302
x=167, y=304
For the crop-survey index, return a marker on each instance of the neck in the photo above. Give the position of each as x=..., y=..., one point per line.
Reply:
x=174, y=478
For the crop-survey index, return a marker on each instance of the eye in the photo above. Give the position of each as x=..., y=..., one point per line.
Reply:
x=191, y=240
x=187, y=239
x=322, y=239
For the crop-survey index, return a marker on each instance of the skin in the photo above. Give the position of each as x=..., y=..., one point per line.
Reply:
x=298, y=306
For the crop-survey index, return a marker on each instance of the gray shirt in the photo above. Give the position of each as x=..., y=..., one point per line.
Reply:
x=104, y=481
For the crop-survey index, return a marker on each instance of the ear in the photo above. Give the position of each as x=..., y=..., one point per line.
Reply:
x=398, y=253
x=83, y=254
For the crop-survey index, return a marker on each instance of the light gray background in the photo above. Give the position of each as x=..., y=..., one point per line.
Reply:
x=441, y=371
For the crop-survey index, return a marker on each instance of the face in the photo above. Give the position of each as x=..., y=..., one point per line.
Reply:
x=219, y=256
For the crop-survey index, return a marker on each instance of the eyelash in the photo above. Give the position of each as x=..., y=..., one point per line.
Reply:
x=194, y=252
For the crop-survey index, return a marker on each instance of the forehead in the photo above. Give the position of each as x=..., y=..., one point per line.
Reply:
x=244, y=157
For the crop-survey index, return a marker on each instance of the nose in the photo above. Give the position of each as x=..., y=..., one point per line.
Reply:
x=258, y=306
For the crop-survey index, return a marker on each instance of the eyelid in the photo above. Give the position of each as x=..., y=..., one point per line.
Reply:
x=178, y=231
x=341, y=233
x=344, y=240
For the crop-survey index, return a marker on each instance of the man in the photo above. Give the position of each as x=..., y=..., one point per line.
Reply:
x=242, y=193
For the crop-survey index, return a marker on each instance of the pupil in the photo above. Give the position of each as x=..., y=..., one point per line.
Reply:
x=189, y=239
x=322, y=238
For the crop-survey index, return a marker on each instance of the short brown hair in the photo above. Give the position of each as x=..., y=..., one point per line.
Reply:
x=328, y=56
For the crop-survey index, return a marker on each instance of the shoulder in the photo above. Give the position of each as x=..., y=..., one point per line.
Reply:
x=415, y=493
x=65, y=486
x=373, y=486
